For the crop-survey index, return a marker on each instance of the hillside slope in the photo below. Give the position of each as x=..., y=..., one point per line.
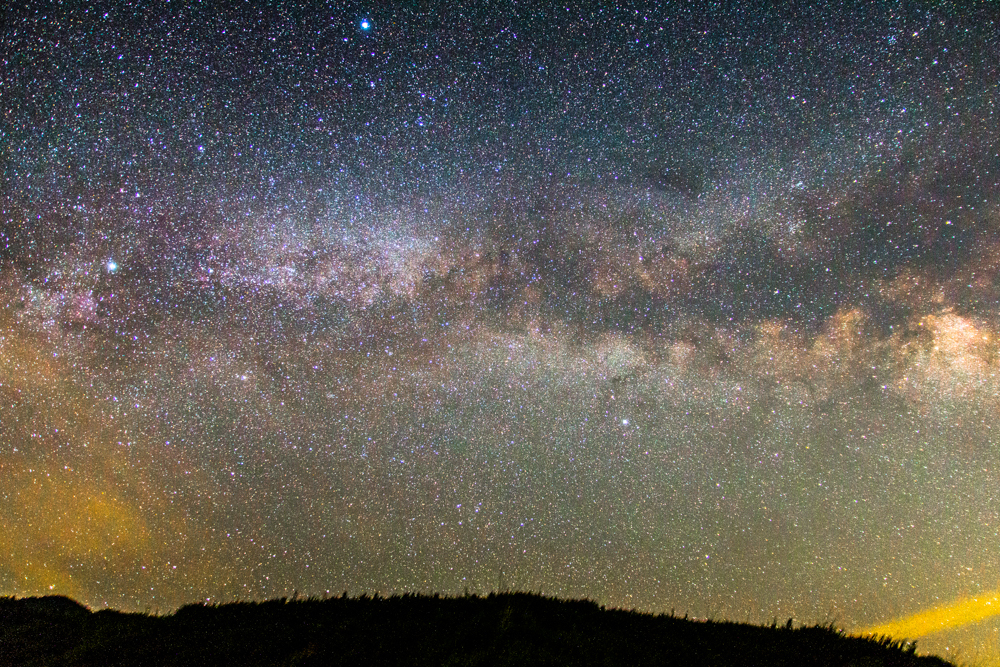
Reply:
x=500, y=629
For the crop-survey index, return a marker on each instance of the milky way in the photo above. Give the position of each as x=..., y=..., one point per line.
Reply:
x=671, y=308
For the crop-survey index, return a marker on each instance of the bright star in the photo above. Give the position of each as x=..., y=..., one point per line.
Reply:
x=366, y=24
x=112, y=266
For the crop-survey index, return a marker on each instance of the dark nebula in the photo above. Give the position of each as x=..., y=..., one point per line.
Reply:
x=671, y=307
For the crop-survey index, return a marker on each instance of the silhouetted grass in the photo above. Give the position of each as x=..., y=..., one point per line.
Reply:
x=500, y=629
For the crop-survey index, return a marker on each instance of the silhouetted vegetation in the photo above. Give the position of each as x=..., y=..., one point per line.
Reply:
x=500, y=629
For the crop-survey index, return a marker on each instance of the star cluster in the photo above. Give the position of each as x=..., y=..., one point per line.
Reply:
x=673, y=307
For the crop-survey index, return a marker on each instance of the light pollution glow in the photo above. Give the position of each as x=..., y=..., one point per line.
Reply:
x=937, y=619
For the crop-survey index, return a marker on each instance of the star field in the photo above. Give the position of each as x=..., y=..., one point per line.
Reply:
x=672, y=307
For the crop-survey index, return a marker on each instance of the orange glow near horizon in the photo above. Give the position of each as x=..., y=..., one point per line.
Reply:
x=945, y=617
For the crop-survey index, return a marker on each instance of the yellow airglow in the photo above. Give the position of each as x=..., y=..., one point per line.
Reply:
x=952, y=615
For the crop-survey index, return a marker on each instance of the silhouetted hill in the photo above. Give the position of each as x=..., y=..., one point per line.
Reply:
x=500, y=629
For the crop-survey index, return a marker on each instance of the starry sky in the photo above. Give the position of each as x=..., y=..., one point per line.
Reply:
x=672, y=306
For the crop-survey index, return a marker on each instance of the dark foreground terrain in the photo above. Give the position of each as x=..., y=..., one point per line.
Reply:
x=501, y=629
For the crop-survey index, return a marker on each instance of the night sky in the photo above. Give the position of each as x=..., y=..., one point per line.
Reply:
x=675, y=307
